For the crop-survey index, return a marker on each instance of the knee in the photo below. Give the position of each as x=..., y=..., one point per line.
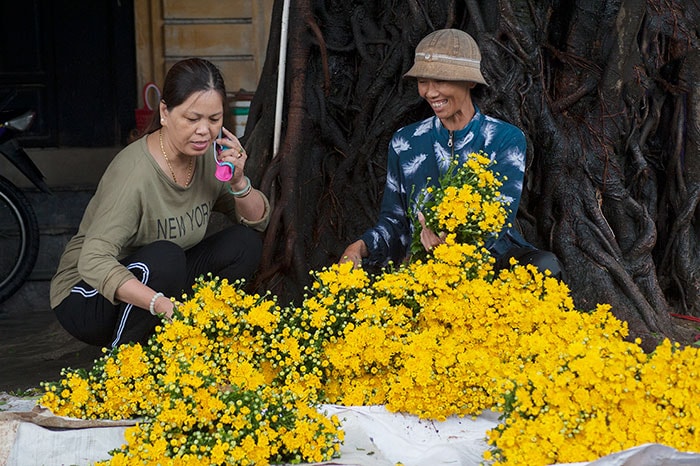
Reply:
x=169, y=255
x=251, y=245
x=166, y=266
x=243, y=260
x=545, y=260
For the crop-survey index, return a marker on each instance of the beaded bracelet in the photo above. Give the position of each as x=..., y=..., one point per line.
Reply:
x=243, y=192
x=152, y=306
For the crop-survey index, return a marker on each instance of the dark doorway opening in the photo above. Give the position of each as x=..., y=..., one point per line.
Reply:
x=74, y=63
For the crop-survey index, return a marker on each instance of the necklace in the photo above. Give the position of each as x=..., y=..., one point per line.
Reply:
x=167, y=160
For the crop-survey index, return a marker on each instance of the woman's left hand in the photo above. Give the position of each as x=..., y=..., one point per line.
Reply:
x=250, y=203
x=234, y=154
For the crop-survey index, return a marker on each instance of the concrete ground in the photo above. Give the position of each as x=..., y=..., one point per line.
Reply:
x=33, y=346
x=35, y=349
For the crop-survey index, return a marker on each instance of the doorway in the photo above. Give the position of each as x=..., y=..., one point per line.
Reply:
x=73, y=62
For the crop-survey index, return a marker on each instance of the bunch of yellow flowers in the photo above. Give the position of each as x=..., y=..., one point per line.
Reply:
x=430, y=340
x=466, y=203
x=205, y=388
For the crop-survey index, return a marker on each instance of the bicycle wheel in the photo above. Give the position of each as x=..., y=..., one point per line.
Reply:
x=19, y=239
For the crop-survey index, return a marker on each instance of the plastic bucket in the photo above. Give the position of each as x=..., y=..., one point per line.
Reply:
x=151, y=98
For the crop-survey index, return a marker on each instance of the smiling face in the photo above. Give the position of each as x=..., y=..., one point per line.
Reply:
x=194, y=124
x=450, y=100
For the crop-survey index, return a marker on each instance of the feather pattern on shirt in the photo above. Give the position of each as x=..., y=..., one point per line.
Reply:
x=469, y=137
x=413, y=165
x=424, y=127
x=392, y=183
x=515, y=158
x=400, y=144
x=443, y=157
x=488, y=129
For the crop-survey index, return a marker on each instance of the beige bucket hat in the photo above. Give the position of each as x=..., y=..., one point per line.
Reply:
x=448, y=54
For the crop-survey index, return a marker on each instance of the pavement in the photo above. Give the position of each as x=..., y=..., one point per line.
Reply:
x=33, y=345
x=34, y=348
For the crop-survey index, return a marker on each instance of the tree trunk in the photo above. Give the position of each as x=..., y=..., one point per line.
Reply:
x=605, y=91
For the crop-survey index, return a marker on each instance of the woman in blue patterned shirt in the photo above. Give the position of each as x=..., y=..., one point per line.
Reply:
x=447, y=68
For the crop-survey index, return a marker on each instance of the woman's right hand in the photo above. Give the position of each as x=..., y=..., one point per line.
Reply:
x=428, y=238
x=354, y=253
x=143, y=296
x=164, y=307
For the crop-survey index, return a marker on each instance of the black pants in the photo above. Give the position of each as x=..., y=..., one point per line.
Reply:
x=542, y=260
x=232, y=253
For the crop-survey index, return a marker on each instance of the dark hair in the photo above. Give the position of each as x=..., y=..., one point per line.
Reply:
x=184, y=79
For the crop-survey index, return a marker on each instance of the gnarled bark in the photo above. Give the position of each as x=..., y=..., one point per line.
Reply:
x=604, y=90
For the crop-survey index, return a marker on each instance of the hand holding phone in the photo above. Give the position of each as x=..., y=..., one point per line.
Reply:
x=224, y=170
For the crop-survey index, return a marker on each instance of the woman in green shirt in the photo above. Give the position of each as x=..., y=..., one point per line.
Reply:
x=141, y=242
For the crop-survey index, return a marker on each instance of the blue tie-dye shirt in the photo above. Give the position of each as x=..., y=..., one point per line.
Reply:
x=419, y=154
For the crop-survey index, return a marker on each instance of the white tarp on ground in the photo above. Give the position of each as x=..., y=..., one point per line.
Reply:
x=32, y=436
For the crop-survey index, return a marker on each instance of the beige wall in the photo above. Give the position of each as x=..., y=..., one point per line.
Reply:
x=231, y=33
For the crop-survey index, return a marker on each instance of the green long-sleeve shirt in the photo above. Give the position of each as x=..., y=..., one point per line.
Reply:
x=135, y=204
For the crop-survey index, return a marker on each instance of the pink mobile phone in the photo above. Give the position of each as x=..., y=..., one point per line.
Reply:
x=224, y=170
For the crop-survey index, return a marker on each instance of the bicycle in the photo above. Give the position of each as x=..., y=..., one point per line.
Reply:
x=19, y=228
